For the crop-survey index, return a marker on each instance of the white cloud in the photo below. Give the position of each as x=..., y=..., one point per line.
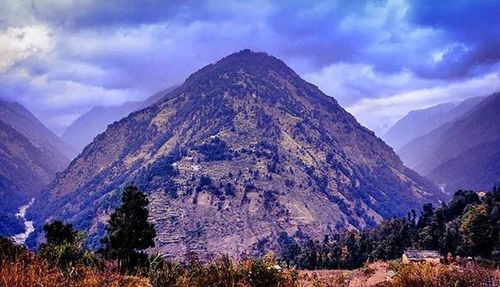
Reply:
x=350, y=82
x=380, y=113
x=17, y=44
x=61, y=57
x=64, y=94
x=59, y=122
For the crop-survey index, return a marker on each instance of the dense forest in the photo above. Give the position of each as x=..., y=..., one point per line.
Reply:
x=467, y=226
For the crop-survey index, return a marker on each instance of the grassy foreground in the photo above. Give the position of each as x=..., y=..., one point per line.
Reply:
x=22, y=268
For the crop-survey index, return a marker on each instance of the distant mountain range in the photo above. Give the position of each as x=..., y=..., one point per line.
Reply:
x=243, y=153
x=83, y=130
x=456, y=145
x=24, y=170
x=420, y=122
x=23, y=121
x=30, y=156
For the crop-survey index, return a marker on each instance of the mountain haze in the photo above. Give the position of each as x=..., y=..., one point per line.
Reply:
x=466, y=153
x=23, y=121
x=83, y=130
x=30, y=156
x=24, y=171
x=244, y=152
x=420, y=122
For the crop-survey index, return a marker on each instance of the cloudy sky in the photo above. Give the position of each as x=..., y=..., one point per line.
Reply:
x=378, y=58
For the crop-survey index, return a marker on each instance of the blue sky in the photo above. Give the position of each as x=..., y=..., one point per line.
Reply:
x=379, y=59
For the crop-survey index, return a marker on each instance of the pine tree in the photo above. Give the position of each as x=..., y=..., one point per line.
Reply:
x=129, y=232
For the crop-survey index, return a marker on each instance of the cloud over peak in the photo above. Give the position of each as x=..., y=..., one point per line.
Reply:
x=62, y=57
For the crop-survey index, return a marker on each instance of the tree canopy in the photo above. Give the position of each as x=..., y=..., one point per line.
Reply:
x=469, y=225
x=128, y=230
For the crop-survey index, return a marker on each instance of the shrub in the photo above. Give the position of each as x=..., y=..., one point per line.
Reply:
x=163, y=273
x=27, y=269
x=215, y=149
x=67, y=255
x=262, y=273
x=58, y=232
x=229, y=189
x=10, y=250
x=222, y=272
x=270, y=199
x=206, y=183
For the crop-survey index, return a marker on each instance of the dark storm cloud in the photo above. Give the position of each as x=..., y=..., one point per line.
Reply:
x=474, y=24
x=96, y=14
x=314, y=30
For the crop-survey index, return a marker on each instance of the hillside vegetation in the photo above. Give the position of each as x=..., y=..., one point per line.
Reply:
x=242, y=151
x=466, y=226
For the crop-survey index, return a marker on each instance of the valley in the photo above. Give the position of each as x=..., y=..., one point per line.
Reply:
x=249, y=143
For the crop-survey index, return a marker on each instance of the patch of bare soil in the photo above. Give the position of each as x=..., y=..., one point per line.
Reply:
x=374, y=274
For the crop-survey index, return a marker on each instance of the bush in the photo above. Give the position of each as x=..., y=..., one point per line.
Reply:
x=58, y=232
x=222, y=272
x=67, y=255
x=262, y=273
x=163, y=273
x=206, y=183
x=215, y=149
x=27, y=269
x=9, y=250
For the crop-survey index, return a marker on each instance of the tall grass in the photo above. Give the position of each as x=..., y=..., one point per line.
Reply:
x=222, y=272
x=427, y=275
x=22, y=268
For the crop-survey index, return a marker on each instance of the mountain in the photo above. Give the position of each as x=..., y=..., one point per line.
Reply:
x=83, y=130
x=24, y=171
x=243, y=153
x=23, y=121
x=420, y=122
x=462, y=154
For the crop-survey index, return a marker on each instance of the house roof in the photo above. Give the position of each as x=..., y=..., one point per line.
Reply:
x=421, y=254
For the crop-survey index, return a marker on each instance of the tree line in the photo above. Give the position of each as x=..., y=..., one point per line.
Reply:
x=467, y=226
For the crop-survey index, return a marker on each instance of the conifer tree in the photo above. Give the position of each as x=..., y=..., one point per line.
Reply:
x=129, y=232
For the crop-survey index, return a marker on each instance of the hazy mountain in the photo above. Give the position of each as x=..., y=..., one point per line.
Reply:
x=243, y=151
x=39, y=135
x=466, y=153
x=420, y=122
x=24, y=171
x=83, y=130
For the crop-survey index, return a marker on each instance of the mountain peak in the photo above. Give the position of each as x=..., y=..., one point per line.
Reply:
x=246, y=61
x=244, y=143
x=249, y=56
